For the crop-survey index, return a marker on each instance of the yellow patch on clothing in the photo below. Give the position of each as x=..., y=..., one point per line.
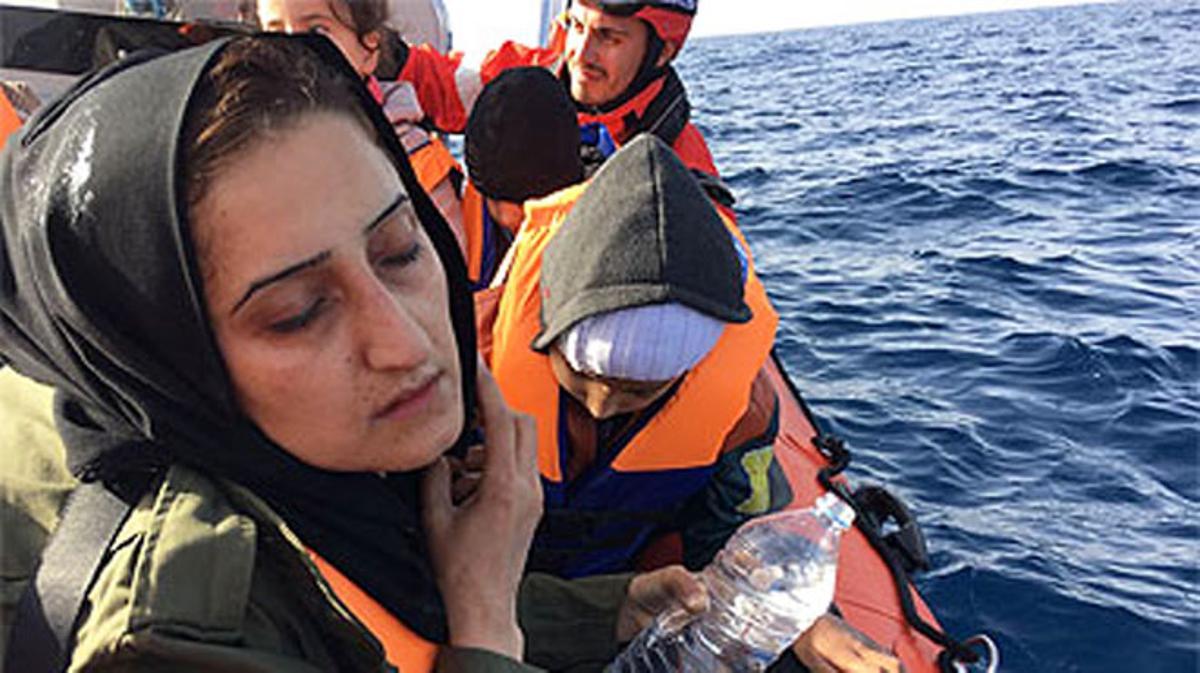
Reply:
x=757, y=465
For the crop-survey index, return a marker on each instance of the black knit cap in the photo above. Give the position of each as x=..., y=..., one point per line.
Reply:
x=642, y=233
x=522, y=138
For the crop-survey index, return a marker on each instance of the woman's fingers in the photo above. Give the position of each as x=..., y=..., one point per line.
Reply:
x=499, y=427
x=437, y=508
x=475, y=458
x=526, y=448
x=464, y=486
x=466, y=473
x=479, y=546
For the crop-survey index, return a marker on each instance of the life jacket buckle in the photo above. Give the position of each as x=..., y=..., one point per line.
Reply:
x=881, y=510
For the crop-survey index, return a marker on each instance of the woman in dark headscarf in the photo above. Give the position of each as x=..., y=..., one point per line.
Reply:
x=260, y=334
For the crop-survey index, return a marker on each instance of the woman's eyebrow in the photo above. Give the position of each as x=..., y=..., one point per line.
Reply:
x=387, y=212
x=319, y=258
x=280, y=275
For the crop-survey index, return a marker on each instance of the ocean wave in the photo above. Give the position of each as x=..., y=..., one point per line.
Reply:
x=1125, y=173
x=1185, y=105
x=1128, y=173
x=749, y=178
x=983, y=263
x=890, y=46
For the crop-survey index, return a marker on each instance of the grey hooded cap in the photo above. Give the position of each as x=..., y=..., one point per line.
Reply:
x=643, y=232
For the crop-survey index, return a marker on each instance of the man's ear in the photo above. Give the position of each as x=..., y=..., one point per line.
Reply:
x=668, y=54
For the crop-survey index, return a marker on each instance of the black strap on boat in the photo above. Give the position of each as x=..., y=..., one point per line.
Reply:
x=881, y=510
x=835, y=451
x=43, y=632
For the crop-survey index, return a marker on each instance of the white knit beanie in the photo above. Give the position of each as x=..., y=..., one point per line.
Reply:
x=655, y=342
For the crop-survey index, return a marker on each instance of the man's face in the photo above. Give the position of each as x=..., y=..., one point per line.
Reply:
x=603, y=52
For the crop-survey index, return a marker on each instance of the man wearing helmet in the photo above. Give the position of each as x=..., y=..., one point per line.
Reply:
x=614, y=56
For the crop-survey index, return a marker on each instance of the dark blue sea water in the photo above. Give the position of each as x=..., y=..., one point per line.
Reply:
x=981, y=233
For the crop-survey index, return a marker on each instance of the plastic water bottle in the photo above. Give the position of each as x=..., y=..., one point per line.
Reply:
x=772, y=580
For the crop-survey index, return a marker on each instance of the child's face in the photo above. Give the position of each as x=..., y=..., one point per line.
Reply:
x=605, y=397
x=325, y=17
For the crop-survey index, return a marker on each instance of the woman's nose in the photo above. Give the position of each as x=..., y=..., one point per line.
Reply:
x=391, y=336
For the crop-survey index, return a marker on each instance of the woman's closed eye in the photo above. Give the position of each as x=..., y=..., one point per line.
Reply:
x=301, y=320
x=403, y=258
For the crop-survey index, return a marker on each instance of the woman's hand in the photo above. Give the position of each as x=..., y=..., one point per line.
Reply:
x=655, y=592
x=833, y=646
x=466, y=473
x=479, y=546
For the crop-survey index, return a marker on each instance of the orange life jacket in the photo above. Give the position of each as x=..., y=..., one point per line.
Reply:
x=432, y=163
x=529, y=385
x=9, y=121
x=486, y=240
x=403, y=648
x=678, y=445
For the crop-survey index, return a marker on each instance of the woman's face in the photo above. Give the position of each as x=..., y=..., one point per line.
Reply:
x=318, y=16
x=328, y=301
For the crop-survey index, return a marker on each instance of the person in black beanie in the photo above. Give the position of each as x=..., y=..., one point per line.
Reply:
x=522, y=143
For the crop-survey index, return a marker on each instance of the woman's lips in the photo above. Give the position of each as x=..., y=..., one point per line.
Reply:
x=411, y=401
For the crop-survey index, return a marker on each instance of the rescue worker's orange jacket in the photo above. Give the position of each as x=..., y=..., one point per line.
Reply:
x=447, y=93
x=486, y=239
